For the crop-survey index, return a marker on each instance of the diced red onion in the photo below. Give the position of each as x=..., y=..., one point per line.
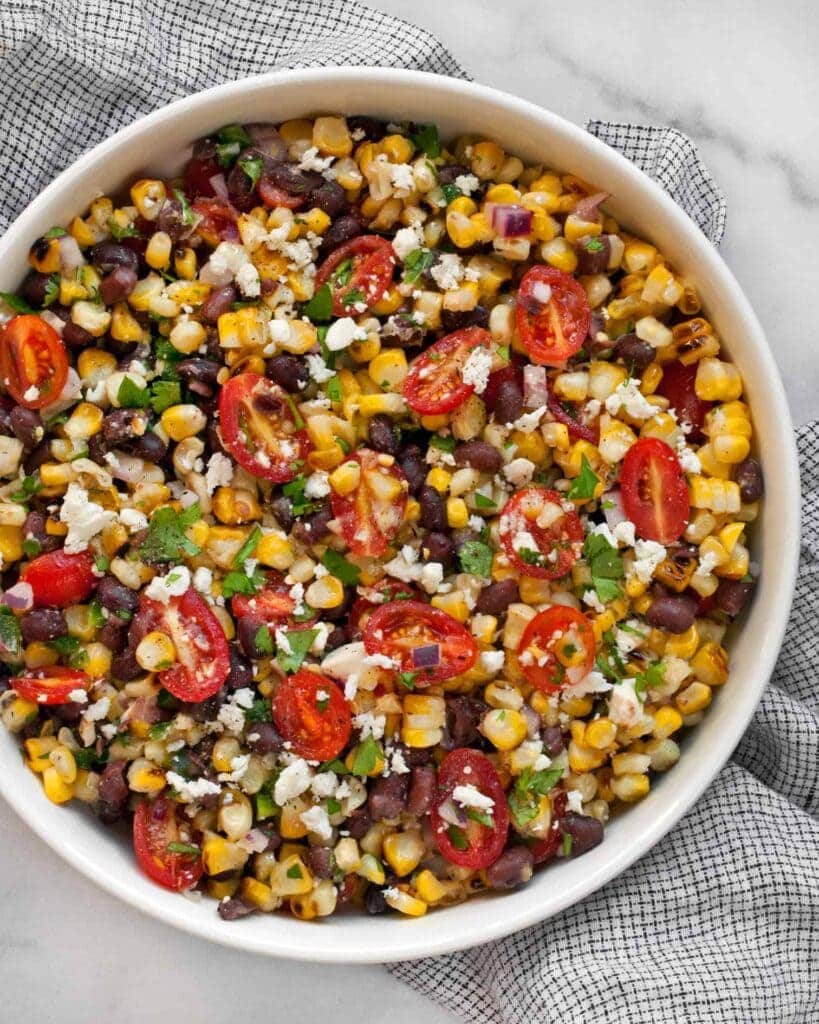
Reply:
x=510, y=220
x=535, y=389
x=219, y=186
x=128, y=468
x=20, y=597
x=70, y=255
x=613, y=510
x=587, y=207
x=533, y=722
x=267, y=139
x=452, y=813
x=428, y=656
x=217, y=278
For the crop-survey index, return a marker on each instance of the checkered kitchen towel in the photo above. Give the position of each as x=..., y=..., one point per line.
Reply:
x=720, y=922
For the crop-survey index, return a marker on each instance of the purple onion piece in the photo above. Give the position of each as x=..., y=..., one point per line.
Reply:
x=219, y=186
x=20, y=597
x=510, y=220
x=452, y=813
x=428, y=656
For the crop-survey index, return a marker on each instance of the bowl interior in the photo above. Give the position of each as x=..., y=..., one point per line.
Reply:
x=158, y=144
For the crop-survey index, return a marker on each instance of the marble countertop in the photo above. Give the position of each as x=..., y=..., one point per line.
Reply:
x=744, y=85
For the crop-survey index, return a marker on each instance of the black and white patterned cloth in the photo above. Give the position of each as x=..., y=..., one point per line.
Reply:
x=720, y=922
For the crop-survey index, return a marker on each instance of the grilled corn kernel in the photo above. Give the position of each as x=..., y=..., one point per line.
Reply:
x=38, y=749
x=181, y=421
x=683, y=645
x=695, y=697
x=158, y=251
x=717, y=381
x=710, y=664
x=145, y=777
x=275, y=550
x=453, y=604
x=187, y=336
x=155, y=652
x=600, y=733
x=221, y=857
x=439, y=479
x=429, y=888
x=403, y=851
x=56, y=788
x=457, y=513
x=327, y=592
x=423, y=720
x=346, y=478
x=583, y=758
x=404, y=903
x=630, y=788
x=667, y=721
x=148, y=195
x=504, y=728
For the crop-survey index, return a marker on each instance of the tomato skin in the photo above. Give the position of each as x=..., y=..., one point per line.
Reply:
x=272, y=196
x=434, y=384
x=272, y=606
x=219, y=221
x=32, y=355
x=545, y=849
x=197, y=174
x=677, y=385
x=564, y=537
x=655, y=494
x=553, y=332
x=393, y=590
x=203, y=658
x=369, y=523
x=50, y=685
x=373, y=266
x=259, y=428
x=397, y=628
x=469, y=767
x=155, y=826
x=551, y=677
x=576, y=427
x=315, y=734
x=59, y=579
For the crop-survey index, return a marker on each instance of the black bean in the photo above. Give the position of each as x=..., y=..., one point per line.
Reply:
x=41, y=454
x=341, y=610
x=282, y=508
x=241, y=670
x=634, y=353
x=337, y=638
x=217, y=303
x=116, y=597
x=247, y=630
x=359, y=822
x=462, y=537
x=171, y=220
x=240, y=186
x=440, y=547
x=204, y=711
x=42, y=624
x=34, y=528
x=118, y=285
x=124, y=665
x=384, y=435
x=113, y=788
x=107, y=256
x=421, y=791
x=349, y=225
x=366, y=128
x=320, y=861
x=232, y=908
x=414, y=467
x=388, y=796
x=552, y=740
x=512, y=868
x=76, y=337
x=674, y=612
x=433, y=509
x=114, y=635
x=479, y=455
x=330, y=198
x=264, y=738
x=449, y=172
x=457, y=320
x=402, y=332
x=732, y=595
x=508, y=402
x=586, y=833
x=33, y=288
x=122, y=426
x=288, y=372
x=199, y=375
x=6, y=406
x=27, y=426
x=290, y=179
x=374, y=901
x=463, y=716
x=593, y=254
x=314, y=526
x=749, y=478
x=496, y=598
x=149, y=447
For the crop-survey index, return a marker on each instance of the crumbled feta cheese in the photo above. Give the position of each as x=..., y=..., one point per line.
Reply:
x=381, y=661
x=133, y=520
x=219, y=472
x=542, y=293
x=311, y=161
x=398, y=764
x=602, y=530
x=247, y=278
x=292, y=782
x=317, y=485
x=595, y=682
x=370, y=725
x=477, y=368
x=238, y=767
x=282, y=641
x=318, y=369
x=519, y=472
x=624, y=534
x=342, y=333
x=432, y=575
x=574, y=801
x=243, y=697
x=324, y=784
x=448, y=272
x=191, y=789
x=469, y=796
x=628, y=396
x=231, y=717
x=688, y=459
x=317, y=821
x=593, y=601
x=32, y=393
x=492, y=661
x=85, y=519
x=406, y=240
x=98, y=710
x=529, y=420
x=467, y=183
x=402, y=178
x=648, y=555
x=79, y=696
x=203, y=580
x=624, y=704
x=279, y=331
x=626, y=642
x=174, y=584
x=351, y=687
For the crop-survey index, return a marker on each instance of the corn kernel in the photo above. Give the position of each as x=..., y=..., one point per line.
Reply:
x=504, y=728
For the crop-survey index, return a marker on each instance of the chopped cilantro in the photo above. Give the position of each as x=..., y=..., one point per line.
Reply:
x=451, y=193
x=654, y=675
x=481, y=501
x=446, y=444
x=583, y=485
x=606, y=503
x=426, y=138
x=344, y=445
x=69, y=649
x=265, y=805
x=56, y=232
x=118, y=232
x=238, y=582
x=476, y=558
x=294, y=490
x=88, y=759
x=249, y=546
x=230, y=142
x=339, y=767
x=343, y=273
x=524, y=802
x=320, y=307
x=416, y=263
x=334, y=389
x=605, y=564
x=101, y=563
x=131, y=396
x=187, y=212
x=366, y=756
x=530, y=556
x=188, y=849
x=263, y=641
x=29, y=486
x=16, y=303
x=52, y=290
x=10, y=638
x=407, y=679
x=160, y=730
x=165, y=351
x=609, y=660
x=593, y=245
x=457, y=837
x=166, y=540
x=480, y=816
x=31, y=547
x=352, y=297
x=504, y=353
x=339, y=566
x=96, y=615
x=166, y=700
x=164, y=394
x=566, y=845
x=322, y=703
x=259, y=711
x=333, y=806
x=252, y=166
x=299, y=641
x=294, y=871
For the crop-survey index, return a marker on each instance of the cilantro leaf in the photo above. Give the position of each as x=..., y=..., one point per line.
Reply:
x=583, y=485
x=52, y=290
x=294, y=490
x=593, y=245
x=29, y=486
x=654, y=675
x=451, y=193
x=263, y=641
x=476, y=557
x=265, y=804
x=339, y=566
x=407, y=679
x=320, y=307
x=238, y=582
x=566, y=844
x=339, y=767
x=187, y=212
x=259, y=711
x=164, y=394
x=416, y=263
x=69, y=649
x=10, y=638
x=16, y=303
x=56, y=232
x=458, y=838
x=118, y=232
x=166, y=540
x=366, y=756
x=249, y=546
x=481, y=501
x=524, y=800
x=131, y=396
x=481, y=816
x=446, y=444
x=503, y=352
x=230, y=142
x=343, y=273
x=188, y=849
x=299, y=641
x=294, y=871
x=605, y=564
x=252, y=166
x=334, y=389
x=426, y=138
x=353, y=296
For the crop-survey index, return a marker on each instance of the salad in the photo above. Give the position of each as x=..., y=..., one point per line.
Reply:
x=372, y=513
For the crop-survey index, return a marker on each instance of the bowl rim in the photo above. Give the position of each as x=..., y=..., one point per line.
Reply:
x=416, y=940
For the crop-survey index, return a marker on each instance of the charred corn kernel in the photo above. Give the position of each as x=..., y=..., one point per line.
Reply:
x=243, y=328
x=439, y=479
x=219, y=856
x=94, y=364
x=683, y=645
x=275, y=550
x=600, y=733
x=91, y=317
x=502, y=697
x=235, y=817
x=630, y=763
x=187, y=336
x=63, y=761
x=615, y=439
x=555, y=435
x=145, y=777
x=56, y=788
x=576, y=227
x=461, y=229
x=531, y=446
x=649, y=329
x=124, y=326
x=694, y=340
x=667, y=721
x=155, y=652
x=44, y=255
x=37, y=750
x=258, y=894
x=84, y=421
x=11, y=543
x=390, y=302
x=695, y=697
x=453, y=604
x=429, y=888
x=184, y=263
x=717, y=381
x=630, y=788
x=158, y=250
x=181, y=421
x=404, y=903
x=225, y=749
x=389, y=368
x=423, y=720
x=84, y=234
x=71, y=290
x=148, y=195
x=403, y=851
x=639, y=257
x=731, y=448
x=720, y=496
x=457, y=514
x=534, y=591
x=504, y=728
x=327, y=592
x=98, y=659
x=559, y=253
x=583, y=758
x=662, y=288
x=346, y=478
x=371, y=869
x=235, y=505
x=573, y=386
x=710, y=664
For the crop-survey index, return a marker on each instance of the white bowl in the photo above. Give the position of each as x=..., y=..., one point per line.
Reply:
x=158, y=143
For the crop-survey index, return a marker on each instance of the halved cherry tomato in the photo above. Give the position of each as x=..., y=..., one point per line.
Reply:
x=219, y=221
x=567, y=412
x=392, y=590
x=677, y=386
x=552, y=314
x=202, y=655
x=545, y=849
x=557, y=648
x=540, y=537
x=272, y=196
x=156, y=827
x=50, y=685
x=59, y=579
x=372, y=514
x=33, y=363
x=272, y=606
x=401, y=628
x=261, y=427
x=360, y=271
x=476, y=845
x=434, y=384
x=197, y=175
x=655, y=494
x=310, y=712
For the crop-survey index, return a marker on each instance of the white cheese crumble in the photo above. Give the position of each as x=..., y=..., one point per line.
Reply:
x=98, y=710
x=403, y=179
x=316, y=821
x=381, y=661
x=219, y=472
x=624, y=704
x=238, y=767
x=85, y=519
x=519, y=471
x=467, y=183
x=324, y=784
x=133, y=520
x=318, y=369
x=477, y=368
x=406, y=240
x=31, y=394
x=648, y=555
x=574, y=801
x=342, y=333
x=448, y=272
x=247, y=278
x=311, y=161
x=292, y=782
x=469, y=796
x=203, y=580
x=529, y=420
x=317, y=485
x=492, y=661
x=370, y=725
x=78, y=696
x=432, y=575
x=628, y=396
x=174, y=584
x=191, y=789
x=595, y=682
x=593, y=601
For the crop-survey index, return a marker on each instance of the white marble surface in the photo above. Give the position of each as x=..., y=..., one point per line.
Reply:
x=741, y=78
